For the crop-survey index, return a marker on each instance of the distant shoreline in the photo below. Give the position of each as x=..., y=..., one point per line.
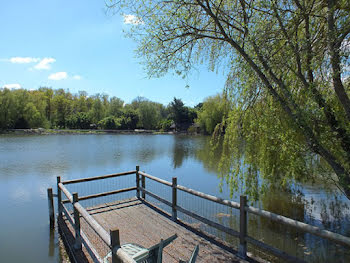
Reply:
x=42, y=131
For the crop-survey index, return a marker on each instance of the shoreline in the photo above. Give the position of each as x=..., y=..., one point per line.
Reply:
x=41, y=131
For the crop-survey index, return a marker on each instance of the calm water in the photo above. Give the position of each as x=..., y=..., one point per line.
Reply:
x=30, y=164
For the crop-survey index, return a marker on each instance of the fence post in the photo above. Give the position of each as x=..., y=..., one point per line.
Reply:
x=174, y=204
x=51, y=208
x=242, y=252
x=59, y=198
x=137, y=182
x=143, y=183
x=77, y=242
x=115, y=244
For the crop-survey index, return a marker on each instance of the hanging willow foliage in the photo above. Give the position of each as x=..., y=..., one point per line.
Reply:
x=286, y=62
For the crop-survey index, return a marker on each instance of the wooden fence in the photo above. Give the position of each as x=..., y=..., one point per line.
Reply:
x=112, y=239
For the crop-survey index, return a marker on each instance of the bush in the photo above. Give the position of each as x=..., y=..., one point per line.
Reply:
x=129, y=119
x=192, y=129
x=80, y=120
x=109, y=123
x=164, y=125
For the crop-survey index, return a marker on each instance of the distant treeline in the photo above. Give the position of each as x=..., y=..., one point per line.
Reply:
x=60, y=109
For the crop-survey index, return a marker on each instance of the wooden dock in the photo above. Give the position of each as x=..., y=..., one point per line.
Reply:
x=97, y=233
x=140, y=222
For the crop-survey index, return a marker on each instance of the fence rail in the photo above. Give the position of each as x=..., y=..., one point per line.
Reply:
x=209, y=197
x=89, y=179
x=112, y=238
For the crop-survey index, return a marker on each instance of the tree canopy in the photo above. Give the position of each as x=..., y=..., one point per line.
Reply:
x=49, y=108
x=182, y=116
x=213, y=112
x=286, y=63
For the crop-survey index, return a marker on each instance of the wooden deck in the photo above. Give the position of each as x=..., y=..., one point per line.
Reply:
x=139, y=222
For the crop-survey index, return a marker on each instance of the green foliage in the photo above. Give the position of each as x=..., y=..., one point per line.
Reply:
x=213, y=112
x=149, y=115
x=34, y=118
x=129, y=119
x=164, y=125
x=199, y=106
x=109, y=123
x=47, y=108
x=182, y=116
x=21, y=109
x=7, y=109
x=192, y=130
x=62, y=108
x=178, y=112
x=80, y=120
x=258, y=154
x=191, y=115
x=285, y=62
x=115, y=107
x=97, y=112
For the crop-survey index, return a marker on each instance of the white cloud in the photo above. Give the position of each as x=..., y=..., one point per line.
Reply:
x=23, y=60
x=77, y=77
x=58, y=76
x=132, y=19
x=45, y=63
x=12, y=86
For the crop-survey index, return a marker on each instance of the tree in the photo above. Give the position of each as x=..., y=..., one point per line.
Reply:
x=80, y=120
x=21, y=98
x=39, y=101
x=129, y=119
x=199, y=106
x=7, y=109
x=80, y=102
x=32, y=116
x=180, y=114
x=115, y=106
x=62, y=107
x=164, y=125
x=48, y=96
x=213, y=112
x=286, y=56
x=138, y=101
x=97, y=111
x=149, y=115
x=109, y=123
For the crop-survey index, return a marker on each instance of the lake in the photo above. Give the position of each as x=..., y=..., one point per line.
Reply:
x=30, y=164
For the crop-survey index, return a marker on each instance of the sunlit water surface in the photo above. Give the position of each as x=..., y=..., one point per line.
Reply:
x=30, y=164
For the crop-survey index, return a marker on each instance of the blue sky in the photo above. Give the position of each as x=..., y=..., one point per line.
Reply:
x=75, y=45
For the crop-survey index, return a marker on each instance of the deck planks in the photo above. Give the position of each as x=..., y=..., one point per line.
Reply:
x=139, y=223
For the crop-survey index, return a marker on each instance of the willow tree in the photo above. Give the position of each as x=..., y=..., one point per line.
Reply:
x=285, y=62
x=213, y=111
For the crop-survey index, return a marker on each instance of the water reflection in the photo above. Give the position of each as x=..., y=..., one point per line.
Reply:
x=184, y=147
x=33, y=162
x=52, y=243
x=198, y=148
x=308, y=202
